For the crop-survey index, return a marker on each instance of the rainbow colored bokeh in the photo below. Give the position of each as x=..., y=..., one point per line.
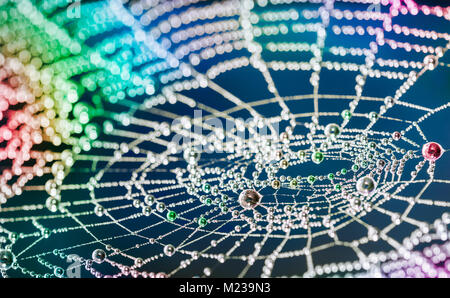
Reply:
x=74, y=75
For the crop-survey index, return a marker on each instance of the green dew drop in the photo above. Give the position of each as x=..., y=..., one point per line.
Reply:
x=346, y=114
x=224, y=198
x=202, y=221
x=311, y=179
x=206, y=187
x=317, y=157
x=293, y=183
x=171, y=215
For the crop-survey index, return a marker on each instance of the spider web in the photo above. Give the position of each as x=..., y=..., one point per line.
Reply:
x=196, y=101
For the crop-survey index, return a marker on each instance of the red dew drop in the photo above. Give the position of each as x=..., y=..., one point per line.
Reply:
x=432, y=151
